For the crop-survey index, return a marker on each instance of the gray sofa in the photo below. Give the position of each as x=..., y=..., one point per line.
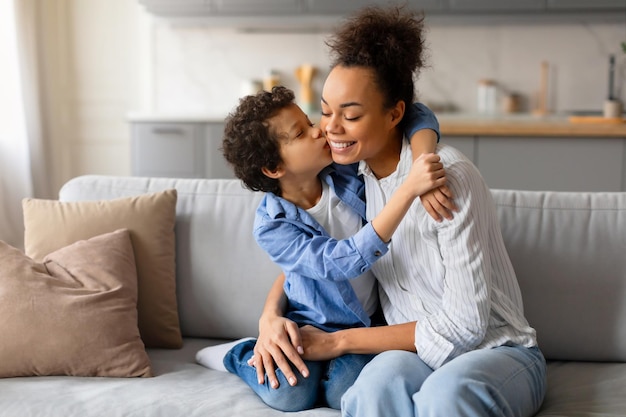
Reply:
x=568, y=249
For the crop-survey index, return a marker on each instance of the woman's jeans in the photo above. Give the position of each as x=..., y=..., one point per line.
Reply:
x=325, y=385
x=503, y=381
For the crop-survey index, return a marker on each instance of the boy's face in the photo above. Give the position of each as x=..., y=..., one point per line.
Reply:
x=303, y=147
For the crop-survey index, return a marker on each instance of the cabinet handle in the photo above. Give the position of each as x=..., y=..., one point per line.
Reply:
x=168, y=131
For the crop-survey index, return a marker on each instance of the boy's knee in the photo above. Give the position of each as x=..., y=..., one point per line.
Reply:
x=287, y=398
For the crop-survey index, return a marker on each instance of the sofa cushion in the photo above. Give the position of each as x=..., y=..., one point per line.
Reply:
x=568, y=251
x=50, y=225
x=74, y=314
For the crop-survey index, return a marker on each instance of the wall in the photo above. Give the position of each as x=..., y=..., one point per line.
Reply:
x=200, y=70
x=107, y=58
x=93, y=61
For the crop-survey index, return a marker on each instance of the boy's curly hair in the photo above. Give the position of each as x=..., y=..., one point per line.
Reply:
x=249, y=144
x=389, y=41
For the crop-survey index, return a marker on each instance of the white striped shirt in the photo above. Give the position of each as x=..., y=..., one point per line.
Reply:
x=455, y=277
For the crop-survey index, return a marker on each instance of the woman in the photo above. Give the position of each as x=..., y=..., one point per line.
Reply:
x=457, y=343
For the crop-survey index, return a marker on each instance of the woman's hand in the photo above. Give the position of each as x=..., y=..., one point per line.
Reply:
x=318, y=344
x=279, y=344
x=438, y=203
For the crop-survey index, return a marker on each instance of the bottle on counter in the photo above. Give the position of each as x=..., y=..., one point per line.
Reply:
x=487, y=96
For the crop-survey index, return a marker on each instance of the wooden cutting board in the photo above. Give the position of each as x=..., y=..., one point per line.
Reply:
x=596, y=119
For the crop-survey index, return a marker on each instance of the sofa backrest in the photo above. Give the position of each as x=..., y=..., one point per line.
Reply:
x=568, y=250
x=569, y=253
x=222, y=275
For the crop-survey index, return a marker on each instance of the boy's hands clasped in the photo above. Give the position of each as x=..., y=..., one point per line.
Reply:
x=428, y=179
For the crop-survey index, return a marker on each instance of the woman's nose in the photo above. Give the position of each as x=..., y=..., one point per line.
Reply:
x=331, y=125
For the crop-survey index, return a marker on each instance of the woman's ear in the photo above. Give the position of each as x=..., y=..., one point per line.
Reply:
x=397, y=112
x=273, y=173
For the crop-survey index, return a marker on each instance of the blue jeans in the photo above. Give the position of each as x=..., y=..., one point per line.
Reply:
x=325, y=385
x=503, y=381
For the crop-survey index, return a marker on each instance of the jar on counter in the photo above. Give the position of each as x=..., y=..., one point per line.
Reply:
x=487, y=96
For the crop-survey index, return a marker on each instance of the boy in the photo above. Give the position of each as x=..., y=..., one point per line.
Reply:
x=310, y=222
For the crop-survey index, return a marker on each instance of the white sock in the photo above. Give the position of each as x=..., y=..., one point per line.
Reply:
x=213, y=356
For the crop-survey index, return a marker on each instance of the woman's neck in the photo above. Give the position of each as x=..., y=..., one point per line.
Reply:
x=385, y=162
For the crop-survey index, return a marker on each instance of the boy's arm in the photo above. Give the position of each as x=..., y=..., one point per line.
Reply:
x=279, y=339
x=426, y=173
x=422, y=129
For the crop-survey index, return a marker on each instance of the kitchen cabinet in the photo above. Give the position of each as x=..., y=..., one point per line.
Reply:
x=465, y=144
x=326, y=13
x=554, y=164
x=178, y=149
x=547, y=163
x=256, y=8
x=177, y=8
x=586, y=5
x=331, y=7
x=491, y=6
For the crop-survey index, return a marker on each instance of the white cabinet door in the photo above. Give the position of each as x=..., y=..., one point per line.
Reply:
x=168, y=150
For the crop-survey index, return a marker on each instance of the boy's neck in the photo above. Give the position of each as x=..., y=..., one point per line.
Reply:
x=304, y=194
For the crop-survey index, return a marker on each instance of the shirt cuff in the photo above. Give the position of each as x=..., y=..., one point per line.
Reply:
x=370, y=245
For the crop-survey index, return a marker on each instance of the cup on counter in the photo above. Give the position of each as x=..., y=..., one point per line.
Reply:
x=271, y=80
x=613, y=109
x=511, y=103
x=251, y=87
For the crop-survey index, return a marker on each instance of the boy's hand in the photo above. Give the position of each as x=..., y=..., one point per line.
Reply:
x=279, y=345
x=438, y=203
x=426, y=174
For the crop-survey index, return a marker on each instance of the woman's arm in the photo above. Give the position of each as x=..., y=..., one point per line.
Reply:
x=319, y=345
x=279, y=339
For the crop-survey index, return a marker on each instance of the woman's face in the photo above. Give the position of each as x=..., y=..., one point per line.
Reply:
x=357, y=126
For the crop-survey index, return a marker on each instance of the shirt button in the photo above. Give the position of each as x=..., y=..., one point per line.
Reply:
x=377, y=253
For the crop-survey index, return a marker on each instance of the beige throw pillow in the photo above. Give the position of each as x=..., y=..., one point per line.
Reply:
x=150, y=218
x=74, y=314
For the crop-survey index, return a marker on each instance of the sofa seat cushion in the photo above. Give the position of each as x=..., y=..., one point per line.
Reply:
x=588, y=389
x=180, y=388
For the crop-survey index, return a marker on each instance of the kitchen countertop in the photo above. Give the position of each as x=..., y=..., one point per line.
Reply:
x=462, y=124
x=528, y=125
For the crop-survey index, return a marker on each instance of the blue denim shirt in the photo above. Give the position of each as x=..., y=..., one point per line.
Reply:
x=318, y=267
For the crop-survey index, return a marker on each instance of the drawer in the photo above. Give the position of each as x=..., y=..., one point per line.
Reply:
x=168, y=150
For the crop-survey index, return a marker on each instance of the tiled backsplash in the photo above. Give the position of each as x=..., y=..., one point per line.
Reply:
x=201, y=70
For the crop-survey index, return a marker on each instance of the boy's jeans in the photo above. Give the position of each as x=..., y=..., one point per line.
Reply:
x=327, y=381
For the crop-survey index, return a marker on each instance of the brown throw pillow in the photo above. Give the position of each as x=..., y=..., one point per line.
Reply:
x=74, y=314
x=150, y=218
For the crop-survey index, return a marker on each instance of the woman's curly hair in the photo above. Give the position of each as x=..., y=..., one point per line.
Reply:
x=389, y=41
x=249, y=144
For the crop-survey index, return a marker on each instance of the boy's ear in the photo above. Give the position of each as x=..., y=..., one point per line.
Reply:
x=274, y=174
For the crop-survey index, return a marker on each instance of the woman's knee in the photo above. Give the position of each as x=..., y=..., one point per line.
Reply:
x=390, y=371
x=386, y=384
